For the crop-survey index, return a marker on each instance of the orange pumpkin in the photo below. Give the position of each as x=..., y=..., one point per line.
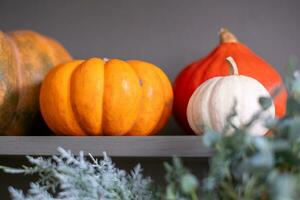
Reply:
x=214, y=64
x=94, y=97
x=25, y=58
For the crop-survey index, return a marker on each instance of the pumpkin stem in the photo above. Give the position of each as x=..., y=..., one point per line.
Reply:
x=105, y=59
x=233, y=67
x=226, y=36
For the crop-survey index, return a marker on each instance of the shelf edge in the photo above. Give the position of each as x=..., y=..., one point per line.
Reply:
x=153, y=146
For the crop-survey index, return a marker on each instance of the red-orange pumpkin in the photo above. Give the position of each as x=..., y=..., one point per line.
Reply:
x=25, y=58
x=214, y=64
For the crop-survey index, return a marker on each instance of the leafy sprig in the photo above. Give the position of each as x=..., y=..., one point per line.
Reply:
x=74, y=177
x=247, y=167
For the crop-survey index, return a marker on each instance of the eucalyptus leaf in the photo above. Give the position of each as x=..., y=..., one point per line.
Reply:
x=265, y=102
x=188, y=183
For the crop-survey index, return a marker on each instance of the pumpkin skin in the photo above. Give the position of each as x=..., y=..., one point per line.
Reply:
x=213, y=101
x=214, y=64
x=25, y=58
x=94, y=97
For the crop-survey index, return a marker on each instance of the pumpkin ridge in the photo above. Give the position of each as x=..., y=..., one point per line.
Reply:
x=49, y=121
x=139, y=105
x=141, y=68
x=241, y=103
x=114, y=111
x=19, y=91
x=5, y=126
x=29, y=77
x=189, y=112
x=196, y=98
x=168, y=103
x=79, y=108
x=82, y=132
x=191, y=117
x=211, y=103
x=73, y=108
x=64, y=121
x=129, y=132
x=105, y=60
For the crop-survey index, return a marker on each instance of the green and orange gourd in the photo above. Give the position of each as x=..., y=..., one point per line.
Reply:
x=25, y=58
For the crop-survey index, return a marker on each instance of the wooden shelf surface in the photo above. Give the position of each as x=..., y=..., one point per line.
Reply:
x=152, y=146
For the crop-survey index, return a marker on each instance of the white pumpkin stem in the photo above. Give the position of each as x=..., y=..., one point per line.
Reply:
x=234, y=69
x=226, y=36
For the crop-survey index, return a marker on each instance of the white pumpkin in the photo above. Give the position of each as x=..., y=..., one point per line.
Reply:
x=213, y=101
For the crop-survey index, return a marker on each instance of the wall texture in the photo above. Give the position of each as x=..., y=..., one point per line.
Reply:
x=169, y=33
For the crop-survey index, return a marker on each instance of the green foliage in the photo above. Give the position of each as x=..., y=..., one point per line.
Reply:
x=182, y=185
x=248, y=168
x=67, y=177
x=76, y=178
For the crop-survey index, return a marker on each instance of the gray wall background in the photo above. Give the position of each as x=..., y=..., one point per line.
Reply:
x=169, y=33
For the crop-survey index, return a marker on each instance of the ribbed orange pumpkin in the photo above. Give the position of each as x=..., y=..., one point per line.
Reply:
x=25, y=58
x=94, y=97
x=214, y=65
